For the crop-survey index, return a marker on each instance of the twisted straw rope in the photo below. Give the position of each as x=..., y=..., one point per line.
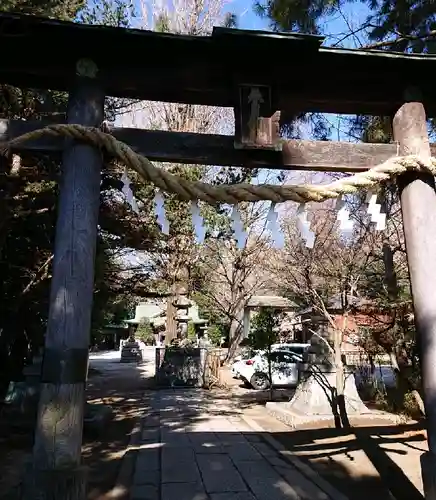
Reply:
x=229, y=193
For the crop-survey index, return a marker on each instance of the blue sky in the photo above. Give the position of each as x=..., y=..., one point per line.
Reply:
x=353, y=14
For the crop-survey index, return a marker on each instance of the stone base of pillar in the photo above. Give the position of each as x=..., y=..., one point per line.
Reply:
x=428, y=471
x=314, y=400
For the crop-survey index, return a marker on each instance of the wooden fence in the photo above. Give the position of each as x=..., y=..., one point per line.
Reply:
x=213, y=367
x=188, y=367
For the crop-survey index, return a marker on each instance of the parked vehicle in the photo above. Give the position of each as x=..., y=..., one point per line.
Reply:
x=297, y=349
x=284, y=366
x=246, y=353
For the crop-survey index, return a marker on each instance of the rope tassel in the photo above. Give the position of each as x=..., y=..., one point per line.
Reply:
x=374, y=210
x=303, y=226
x=159, y=206
x=273, y=227
x=197, y=221
x=238, y=228
x=345, y=223
x=127, y=191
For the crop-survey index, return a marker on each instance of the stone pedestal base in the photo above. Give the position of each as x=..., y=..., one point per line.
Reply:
x=314, y=399
x=316, y=391
x=131, y=353
x=180, y=367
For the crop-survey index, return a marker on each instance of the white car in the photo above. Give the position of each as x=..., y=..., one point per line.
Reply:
x=240, y=361
x=235, y=367
x=297, y=349
x=284, y=366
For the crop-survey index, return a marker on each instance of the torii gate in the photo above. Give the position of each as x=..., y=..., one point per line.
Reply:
x=216, y=71
x=258, y=301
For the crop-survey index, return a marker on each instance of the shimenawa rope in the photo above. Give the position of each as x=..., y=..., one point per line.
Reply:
x=228, y=193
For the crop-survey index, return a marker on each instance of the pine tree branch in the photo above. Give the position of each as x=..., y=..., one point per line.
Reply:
x=402, y=38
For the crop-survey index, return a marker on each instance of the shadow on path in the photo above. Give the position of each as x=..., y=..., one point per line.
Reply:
x=196, y=446
x=336, y=455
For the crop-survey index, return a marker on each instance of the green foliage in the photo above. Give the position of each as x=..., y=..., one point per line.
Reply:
x=376, y=129
x=28, y=211
x=296, y=15
x=400, y=26
x=264, y=331
x=264, y=334
x=117, y=13
x=219, y=324
x=28, y=202
x=110, y=307
x=408, y=22
x=204, y=309
x=56, y=9
x=191, y=331
x=163, y=23
x=144, y=332
x=216, y=333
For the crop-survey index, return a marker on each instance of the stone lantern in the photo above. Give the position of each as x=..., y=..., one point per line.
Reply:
x=200, y=326
x=182, y=305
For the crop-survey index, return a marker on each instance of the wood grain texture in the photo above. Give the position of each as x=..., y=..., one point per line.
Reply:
x=208, y=149
x=171, y=323
x=58, y=440
x=58, y=437
x=62, y=484
x=418, y=205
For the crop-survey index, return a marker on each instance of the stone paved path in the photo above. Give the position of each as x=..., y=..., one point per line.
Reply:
x=196, y=448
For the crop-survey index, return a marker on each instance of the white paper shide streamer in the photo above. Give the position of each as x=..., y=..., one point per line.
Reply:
x=303, y=226
x=128, y=192
x=374, y=210
x=274, y=228
x=159, y=207
x=238, y=228
x=197, y=222
x=345, y=223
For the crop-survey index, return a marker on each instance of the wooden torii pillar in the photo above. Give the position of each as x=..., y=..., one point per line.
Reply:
x=418, y=205
x=57, y=472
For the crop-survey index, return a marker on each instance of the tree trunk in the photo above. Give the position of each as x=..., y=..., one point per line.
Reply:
x=235, y=335
x=171, y=323
x=403, y=382
x=404, y=385
x=271, y=388
x=339, y=402
x=179, y=288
